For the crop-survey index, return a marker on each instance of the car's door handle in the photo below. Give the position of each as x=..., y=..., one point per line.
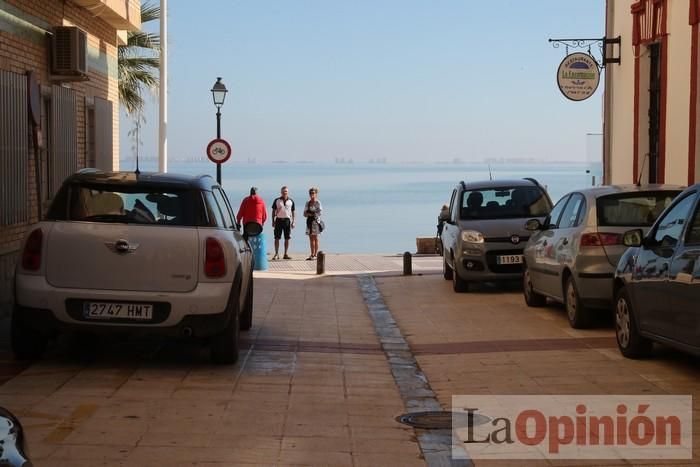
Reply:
x=243, y=250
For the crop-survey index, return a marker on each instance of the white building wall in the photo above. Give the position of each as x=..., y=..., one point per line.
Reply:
x=621, y=120
x=620, y=123
x=678, y=98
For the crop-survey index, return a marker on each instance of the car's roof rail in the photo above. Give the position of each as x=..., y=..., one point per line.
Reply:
x=530, y=179
x=89, y=170
x=464, y=185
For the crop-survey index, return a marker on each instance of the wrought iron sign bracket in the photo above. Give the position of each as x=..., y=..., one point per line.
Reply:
x=601, y=43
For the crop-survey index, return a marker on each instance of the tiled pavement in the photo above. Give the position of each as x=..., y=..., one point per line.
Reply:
x=488, y=342
x=315, y=390
x=313, y=386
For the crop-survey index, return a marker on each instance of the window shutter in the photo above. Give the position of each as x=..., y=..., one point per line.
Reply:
x=63, y=153
x=14, y=149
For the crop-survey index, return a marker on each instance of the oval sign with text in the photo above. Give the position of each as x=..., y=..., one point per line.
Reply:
x=578, y=76
x=219, y=151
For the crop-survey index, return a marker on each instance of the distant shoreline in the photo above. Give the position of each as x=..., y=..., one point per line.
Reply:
x=498, y=162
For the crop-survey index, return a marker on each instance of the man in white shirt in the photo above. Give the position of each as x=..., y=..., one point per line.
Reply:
x=283, y=221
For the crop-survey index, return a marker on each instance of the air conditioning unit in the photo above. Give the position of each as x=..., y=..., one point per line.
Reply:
x=68, y=54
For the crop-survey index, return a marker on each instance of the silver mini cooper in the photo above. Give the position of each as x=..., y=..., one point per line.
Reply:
x=484, y=233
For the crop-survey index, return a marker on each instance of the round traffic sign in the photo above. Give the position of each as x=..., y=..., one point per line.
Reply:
x=219, y=151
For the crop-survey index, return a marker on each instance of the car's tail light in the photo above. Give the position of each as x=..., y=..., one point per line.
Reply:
x=601, y=239
x=31, y=256
x=215, y=262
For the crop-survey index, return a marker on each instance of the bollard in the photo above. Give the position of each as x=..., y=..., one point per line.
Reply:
x=320, y=263
x=407, y=266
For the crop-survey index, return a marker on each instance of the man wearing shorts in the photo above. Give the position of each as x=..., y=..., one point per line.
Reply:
x=283, y=221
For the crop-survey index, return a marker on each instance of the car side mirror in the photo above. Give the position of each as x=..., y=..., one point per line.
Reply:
x=533, y=225
x=633, y=238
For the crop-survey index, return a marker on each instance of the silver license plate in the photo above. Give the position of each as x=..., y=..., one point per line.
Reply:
x=509, y=259
x=113, y=310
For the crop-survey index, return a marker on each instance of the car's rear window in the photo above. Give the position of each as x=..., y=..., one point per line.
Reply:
x=128, y=204
x=637, y=209
x=505, y=202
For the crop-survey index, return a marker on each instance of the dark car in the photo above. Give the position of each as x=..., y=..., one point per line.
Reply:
x=657, y=282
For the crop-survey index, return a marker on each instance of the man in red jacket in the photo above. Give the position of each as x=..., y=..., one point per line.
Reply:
x=252, y=209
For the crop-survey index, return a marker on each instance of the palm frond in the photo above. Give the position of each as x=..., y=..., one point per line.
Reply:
x=144, y=40
x=130, y=98
x=149, y=12
x=138, y=62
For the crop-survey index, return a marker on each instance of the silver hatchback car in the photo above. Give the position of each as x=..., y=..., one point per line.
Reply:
x=571, y=257
x=484, y=233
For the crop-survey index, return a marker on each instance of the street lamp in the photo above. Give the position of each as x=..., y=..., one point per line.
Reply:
x=218, y=93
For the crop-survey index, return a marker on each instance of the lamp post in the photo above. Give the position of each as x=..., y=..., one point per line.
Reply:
x=218, y=93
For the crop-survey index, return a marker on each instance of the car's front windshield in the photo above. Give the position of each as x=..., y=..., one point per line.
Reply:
x=504, y=202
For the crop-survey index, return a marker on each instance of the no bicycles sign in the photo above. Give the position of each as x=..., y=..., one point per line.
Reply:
x=219, y=151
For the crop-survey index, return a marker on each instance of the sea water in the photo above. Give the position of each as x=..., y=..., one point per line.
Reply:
x=374, y=208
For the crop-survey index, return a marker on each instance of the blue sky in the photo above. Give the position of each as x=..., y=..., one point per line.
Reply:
x=408, y=80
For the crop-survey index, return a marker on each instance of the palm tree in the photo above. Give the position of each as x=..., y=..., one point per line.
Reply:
x=138, y=62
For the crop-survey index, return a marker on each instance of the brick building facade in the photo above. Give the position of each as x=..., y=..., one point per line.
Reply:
x=51, y=126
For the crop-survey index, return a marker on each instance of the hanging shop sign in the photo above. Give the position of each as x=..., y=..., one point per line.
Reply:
x=578, y=76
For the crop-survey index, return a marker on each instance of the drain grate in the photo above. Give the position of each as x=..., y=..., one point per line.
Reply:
x=441, y=420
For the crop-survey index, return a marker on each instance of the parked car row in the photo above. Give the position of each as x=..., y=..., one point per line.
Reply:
x=129, y=253
x=633, y=249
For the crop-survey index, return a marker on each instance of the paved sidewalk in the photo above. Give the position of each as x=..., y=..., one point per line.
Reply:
x=488, y=342
x=314, y=388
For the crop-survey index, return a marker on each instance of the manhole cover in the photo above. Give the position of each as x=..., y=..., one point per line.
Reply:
x=441, y=420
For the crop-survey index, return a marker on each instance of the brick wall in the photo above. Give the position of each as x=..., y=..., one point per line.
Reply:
x=21, y=52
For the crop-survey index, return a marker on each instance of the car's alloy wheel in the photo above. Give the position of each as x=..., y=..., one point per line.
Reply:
x=447, y=271
x=576, y=313
x=224, y=346
x=459, y=285
x=532, y=298
x=629, y=341
x=622, y=323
